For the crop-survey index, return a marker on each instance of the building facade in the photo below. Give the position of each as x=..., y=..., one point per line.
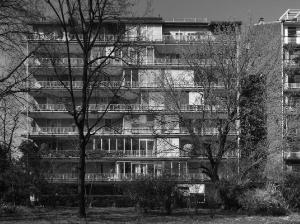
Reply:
x=139, y=134
x=290, y=23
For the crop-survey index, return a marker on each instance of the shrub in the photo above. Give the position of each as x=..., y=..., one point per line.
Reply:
x=265, y=201
x=231, y=190
x=290, y=190
x=10, y=209
x=150, y=193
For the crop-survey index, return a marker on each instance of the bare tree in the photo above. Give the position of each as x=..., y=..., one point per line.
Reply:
x=218, y=66
x=10, y=125
x=15, y=16
x=84, y=23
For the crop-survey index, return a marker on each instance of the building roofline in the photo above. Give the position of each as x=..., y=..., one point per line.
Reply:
x=150, y=20
x=290, y=15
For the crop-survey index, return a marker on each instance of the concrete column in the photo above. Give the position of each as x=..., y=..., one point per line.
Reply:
x=116, y=144
x=117, y=169
x=139, y=149
x=109, y=145
x=124, y=145
x=131, y=146
x=124, y=169
x=186, y=168
x=146, y=171
x=94, y=143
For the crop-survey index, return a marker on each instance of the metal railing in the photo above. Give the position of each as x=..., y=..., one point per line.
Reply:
x=293, y=85
x=129, y=131
x=73, y=177
x=131, y=108
x=196, y=37
x=95, y=154
x=78, y=62
x=292, y=155
x=124, y=84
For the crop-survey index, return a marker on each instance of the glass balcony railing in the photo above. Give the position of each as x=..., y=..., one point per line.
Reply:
x=73, y=177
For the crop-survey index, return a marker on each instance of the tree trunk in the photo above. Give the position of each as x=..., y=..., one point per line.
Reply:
x=214, y=173
x=82, y=212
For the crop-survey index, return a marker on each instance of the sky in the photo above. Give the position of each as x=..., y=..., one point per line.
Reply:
x=243, y=10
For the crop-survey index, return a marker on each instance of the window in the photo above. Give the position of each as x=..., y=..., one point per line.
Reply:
x=292, y=32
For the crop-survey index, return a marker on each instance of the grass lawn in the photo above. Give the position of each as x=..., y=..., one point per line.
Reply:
x=128, y=215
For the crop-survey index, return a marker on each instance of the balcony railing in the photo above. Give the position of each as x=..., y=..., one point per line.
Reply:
x=73, y=177
x=131, y=108
x=126, y=38
x=292, y=158
x=78, y=62
x=290, y=63
x=98, y=154
x=124, y=84
x=293, y=85
x=129, y=131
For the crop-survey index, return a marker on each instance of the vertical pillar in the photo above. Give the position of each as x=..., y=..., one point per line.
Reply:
x=186, y=168
x=131, y=146
x=109, y=145
x=94, y=143
x=146, y=55
x=124, y=169
x=171, y=168
x=178, y=168
x=139, y=148
x=116, y=144
x=131, y=78
x=117, y=168
x=101, y=144
x=153, y=56
x=124, y=144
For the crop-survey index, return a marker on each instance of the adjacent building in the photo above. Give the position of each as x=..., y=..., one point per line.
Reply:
x=290, y=23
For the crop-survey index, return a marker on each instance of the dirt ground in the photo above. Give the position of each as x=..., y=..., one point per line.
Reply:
x=128, y=215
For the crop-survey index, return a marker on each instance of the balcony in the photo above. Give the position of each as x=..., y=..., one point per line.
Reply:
x=59, y=62
x=124, y=84
x=292, y=109
x=292, y=86
x=115, y=177
x=100, y=154
x=78, y=62
x=126, y=108
x=64, y=62
x=183, y=38
x=290, y=64
x=295, y=39
x=292, y=158
x=44, y=131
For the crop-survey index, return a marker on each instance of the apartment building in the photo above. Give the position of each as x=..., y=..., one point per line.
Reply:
x=290, y=23
x=133, y=140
